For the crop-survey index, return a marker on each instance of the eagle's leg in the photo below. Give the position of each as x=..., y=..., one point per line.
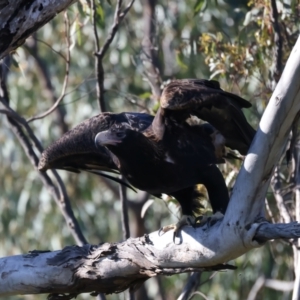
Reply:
x=186, y=198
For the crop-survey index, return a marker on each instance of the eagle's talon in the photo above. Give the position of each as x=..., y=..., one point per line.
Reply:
x=167, y=228
x=161, y=231
x=185, y=220
x=174, y=236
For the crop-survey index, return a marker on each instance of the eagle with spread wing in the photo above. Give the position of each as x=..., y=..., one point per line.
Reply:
x=166, y=153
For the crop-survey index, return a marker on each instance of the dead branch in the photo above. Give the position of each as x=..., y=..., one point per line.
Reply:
x=42, y=70
x=58, y=190
x=191, y=285
x=124, y=209
x=66, y=79
x=278, y=285
x=19, y=19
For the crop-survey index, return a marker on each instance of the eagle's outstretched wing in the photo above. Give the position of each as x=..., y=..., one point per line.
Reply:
x=206, y=100
x=76, y=149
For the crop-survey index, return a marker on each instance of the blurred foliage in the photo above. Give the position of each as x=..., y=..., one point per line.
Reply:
x=230, y=41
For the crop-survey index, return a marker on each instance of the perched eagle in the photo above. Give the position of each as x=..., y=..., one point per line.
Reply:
x=165, y=154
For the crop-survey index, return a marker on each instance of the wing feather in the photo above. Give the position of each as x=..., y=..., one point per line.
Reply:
x=76, y=149
x=209, y=102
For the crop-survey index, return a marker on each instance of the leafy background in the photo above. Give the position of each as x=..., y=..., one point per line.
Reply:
x=229, y=41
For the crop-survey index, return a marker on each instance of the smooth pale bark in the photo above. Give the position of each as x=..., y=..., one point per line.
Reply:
x=19, y=19
x=253, y=180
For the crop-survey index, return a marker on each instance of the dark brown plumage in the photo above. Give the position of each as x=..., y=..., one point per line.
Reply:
x=76, y=150
x=182, y=159
x=166, y=155
x=209, y=102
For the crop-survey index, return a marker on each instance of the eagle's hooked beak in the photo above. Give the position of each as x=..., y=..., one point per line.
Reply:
x=107, y=137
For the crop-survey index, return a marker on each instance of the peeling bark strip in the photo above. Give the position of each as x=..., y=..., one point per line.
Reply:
x=112, y=268
x=20, y=18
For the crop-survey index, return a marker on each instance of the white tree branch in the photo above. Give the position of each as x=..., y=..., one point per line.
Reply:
x=19, y=19
x=270, y=140
x=111, y=268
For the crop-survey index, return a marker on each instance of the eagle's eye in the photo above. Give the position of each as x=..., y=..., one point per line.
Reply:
x=120, y=134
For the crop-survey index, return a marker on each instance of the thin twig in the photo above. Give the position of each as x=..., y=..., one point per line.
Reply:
x=257, y=286
x=269, y=211
x=66, y=79
x=118, y=17
x=209, y=278
x=43, y=72
x=133, y=99
x=277, y=285
x=99, y=75
x=125, y=224
x=78, y=98
x=98, y=62
x=52, y=49
x=17, y=123
x=124, y=208
x=59, y=194
x=200, y=294
x=276, y=187
x=134, y=102
x=191, y=285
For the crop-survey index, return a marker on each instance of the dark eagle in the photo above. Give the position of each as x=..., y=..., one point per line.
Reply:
x=76, y=150
x=167, y=153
